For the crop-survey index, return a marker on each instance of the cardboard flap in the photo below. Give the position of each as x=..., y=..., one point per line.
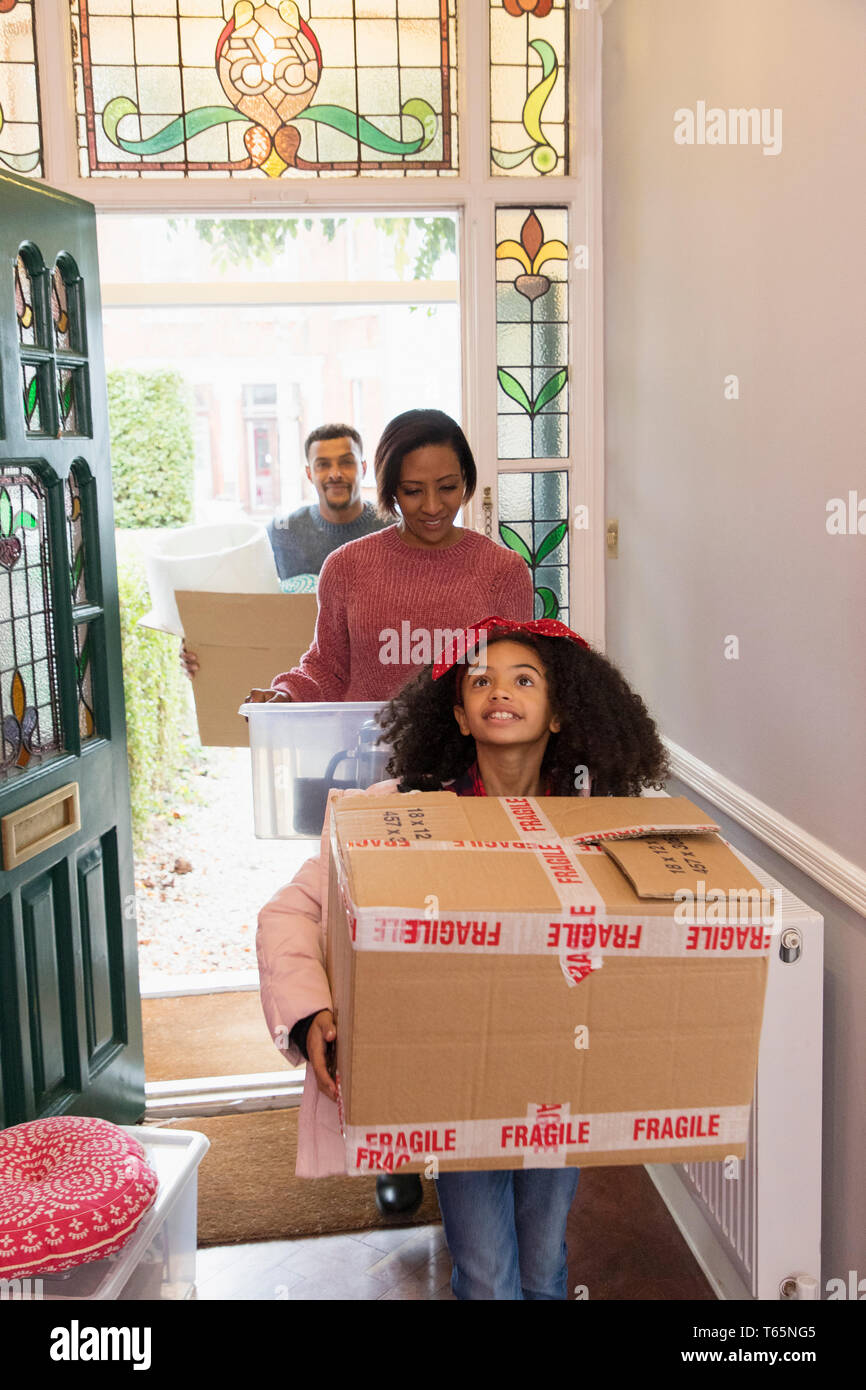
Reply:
x=400, y=816
x=658, y=866
x=591, y=819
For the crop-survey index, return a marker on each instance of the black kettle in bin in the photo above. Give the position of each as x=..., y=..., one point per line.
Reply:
x=311, y=793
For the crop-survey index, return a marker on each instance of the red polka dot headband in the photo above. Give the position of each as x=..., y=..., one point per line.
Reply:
x=466, y=642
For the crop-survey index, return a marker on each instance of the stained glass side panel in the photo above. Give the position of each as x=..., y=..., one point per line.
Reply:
x=33, y=397
x=533, y=521
x=67, y=306
x=66, y=294
x=532, y=332
x=29, y=716
x=24, y=310
x=529, y=78
x=30, y=308
x=20, y=137
x=72, y=399
x=187, y=88
x=84, y=680
x=60, y=311
x=75, y=540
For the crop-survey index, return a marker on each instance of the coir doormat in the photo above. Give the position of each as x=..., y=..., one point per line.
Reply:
x=221, y=1034
x=247, y=1189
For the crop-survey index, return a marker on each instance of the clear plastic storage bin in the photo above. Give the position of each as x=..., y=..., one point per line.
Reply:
x=158, y=1261
x=299, y=752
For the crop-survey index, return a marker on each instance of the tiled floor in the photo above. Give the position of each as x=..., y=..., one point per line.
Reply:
x=410, y=1263
x=624, y=1246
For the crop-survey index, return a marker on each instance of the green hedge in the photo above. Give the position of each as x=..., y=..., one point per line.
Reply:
x=157, y=700
x=152, y=449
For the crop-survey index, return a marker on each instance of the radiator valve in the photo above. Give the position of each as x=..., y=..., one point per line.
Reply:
x=799, y=1286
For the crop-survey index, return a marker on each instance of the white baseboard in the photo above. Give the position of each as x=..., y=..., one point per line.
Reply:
x=845, y=880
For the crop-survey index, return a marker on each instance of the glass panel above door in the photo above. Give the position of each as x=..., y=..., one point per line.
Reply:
x=20, y=134
x=529, y=81
x=315, y=88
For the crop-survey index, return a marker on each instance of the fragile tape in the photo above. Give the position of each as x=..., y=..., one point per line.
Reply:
x=528, y=815
x=540, y=934
x=581, y=934
x=545, y=1137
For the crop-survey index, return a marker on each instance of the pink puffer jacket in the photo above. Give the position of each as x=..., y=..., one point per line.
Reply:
x=290, y=944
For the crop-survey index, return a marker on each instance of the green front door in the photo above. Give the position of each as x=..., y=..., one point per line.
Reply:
x=70, y=1012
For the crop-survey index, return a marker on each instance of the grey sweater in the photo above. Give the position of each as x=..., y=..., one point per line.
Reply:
x=302, y=541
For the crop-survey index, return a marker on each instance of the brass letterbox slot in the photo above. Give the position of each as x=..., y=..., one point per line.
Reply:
x=39, y=825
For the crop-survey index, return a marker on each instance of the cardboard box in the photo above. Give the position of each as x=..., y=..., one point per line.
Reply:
x=513, y=987
x=241, y=641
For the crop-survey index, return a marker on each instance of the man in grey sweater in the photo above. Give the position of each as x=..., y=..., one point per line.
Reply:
x=335, y=465
x=303, y=540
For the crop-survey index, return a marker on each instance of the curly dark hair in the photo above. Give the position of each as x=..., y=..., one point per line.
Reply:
x=605, y=725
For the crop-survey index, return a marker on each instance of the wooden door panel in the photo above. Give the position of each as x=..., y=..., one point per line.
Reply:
x=48, y=961
x=101, y=953
x=12, y=1056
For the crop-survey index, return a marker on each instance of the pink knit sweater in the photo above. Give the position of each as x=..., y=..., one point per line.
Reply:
x=378, y=596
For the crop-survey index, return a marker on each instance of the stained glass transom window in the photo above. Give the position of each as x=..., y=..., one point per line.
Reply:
x=313, y=87
x=533, y=521
x=20, y=139
x=29, y=715
x=532, y=332
x=529, y=87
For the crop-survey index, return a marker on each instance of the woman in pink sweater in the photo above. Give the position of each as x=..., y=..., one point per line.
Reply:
x=389, y=602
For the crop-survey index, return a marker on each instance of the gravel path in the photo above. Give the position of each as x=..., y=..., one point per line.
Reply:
x=203, y=875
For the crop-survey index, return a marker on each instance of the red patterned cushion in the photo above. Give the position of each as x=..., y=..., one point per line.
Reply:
x=72, y=1189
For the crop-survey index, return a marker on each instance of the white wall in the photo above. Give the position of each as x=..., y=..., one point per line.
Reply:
x=720, y=259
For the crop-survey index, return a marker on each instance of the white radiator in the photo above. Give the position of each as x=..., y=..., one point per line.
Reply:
x=757, y=1234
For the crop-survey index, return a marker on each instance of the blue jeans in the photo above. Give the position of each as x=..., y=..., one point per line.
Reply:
x=506, y=1231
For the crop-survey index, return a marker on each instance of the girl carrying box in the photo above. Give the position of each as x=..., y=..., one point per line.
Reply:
x=525, y=709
